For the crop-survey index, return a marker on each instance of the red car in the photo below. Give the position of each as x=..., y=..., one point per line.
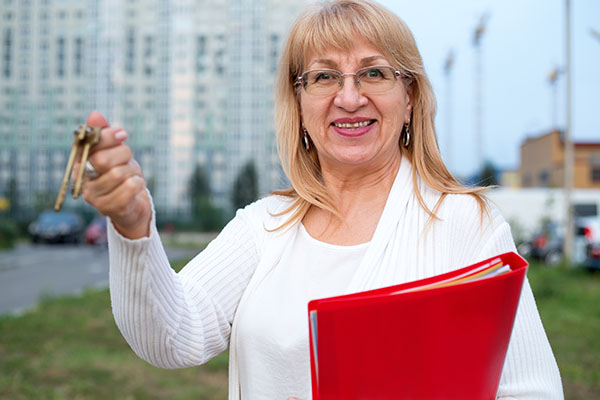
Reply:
x=95, y=233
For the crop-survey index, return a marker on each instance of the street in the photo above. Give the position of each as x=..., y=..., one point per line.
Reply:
x=30, y=272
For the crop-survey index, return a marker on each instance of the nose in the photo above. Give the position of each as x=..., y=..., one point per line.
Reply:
x=349, y=96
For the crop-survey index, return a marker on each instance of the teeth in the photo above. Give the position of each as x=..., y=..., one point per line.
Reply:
x=352, y=126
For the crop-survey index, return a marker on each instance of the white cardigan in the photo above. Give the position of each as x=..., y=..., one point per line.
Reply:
x=180, y=320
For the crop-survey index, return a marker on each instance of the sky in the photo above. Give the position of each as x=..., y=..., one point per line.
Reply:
x=524, y=40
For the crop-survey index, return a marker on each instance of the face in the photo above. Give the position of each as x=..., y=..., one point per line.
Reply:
x=349, y=128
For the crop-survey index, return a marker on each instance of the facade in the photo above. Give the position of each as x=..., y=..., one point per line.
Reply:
x=190, y=80
x=542, y=159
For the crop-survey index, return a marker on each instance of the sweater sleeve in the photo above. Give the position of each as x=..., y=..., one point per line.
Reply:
x=530, y=369
x=175, y=320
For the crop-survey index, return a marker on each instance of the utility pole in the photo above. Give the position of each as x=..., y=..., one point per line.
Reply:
x=448, y=64
x=478, y=34
x=568, y=161
x=552, y=80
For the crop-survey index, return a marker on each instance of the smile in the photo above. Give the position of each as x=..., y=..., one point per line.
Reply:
x=353, y=128
x=355, y=125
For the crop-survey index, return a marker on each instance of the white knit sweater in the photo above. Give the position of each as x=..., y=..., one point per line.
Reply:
x=179, y=320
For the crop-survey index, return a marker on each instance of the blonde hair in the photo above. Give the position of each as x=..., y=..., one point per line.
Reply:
x=335, y=24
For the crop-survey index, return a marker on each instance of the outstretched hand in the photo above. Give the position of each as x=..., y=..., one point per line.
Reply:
x=119, y=191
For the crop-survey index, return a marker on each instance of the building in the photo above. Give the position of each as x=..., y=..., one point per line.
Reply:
x=542, y=162
x=190, y=80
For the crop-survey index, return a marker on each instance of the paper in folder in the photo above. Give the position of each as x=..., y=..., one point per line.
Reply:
x=443, y=337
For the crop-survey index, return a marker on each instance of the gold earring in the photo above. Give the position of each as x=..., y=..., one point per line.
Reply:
x=305, y=140
x=406, y=136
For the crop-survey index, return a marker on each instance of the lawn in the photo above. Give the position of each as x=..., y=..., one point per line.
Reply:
x=70, y=348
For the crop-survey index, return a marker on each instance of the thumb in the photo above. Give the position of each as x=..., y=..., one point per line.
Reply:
x=97, y=119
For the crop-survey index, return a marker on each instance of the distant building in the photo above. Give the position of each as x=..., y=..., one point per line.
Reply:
x=542, y=162
x=191, y=81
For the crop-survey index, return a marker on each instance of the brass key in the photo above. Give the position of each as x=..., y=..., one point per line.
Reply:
x=92, y=136
x=86, y=136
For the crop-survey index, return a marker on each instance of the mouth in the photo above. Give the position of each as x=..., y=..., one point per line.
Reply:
x=353, y=128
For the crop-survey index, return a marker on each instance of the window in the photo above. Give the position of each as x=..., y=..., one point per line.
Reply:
x=595, y=174
x=60, y=59
x=130, y=51
x=7, y=52
x=78, y=56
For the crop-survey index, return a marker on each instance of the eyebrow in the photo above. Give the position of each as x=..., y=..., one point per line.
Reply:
x=332, y=64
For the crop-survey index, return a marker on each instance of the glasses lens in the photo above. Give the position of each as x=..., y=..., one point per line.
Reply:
x=376, y=79
x=321, y=82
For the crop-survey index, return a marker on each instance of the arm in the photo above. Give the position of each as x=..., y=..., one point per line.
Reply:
x=530, y=369
x=175, y=320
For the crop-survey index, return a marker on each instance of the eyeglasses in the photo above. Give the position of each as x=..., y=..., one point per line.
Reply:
x=370, y=80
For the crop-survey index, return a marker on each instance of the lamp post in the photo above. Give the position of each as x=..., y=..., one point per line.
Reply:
x=477, y=35
x=552, y=79
x=568, y=161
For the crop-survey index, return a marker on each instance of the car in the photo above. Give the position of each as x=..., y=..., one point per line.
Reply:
x=546, y=245
x=95, y=233
x=56, y=227
x=587, y=242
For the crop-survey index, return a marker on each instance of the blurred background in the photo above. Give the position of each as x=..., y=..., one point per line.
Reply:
x=191, y=81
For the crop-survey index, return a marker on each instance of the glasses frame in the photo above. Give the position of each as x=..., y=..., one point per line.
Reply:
x=301, y=79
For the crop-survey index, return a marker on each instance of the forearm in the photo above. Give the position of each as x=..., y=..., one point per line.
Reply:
x=178, y=320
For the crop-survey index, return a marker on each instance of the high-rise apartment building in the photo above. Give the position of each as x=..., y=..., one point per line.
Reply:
x=190, y=80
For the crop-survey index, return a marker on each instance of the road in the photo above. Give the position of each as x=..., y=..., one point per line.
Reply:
x=30, y=272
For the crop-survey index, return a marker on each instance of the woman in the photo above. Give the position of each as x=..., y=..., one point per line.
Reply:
x=371, y=205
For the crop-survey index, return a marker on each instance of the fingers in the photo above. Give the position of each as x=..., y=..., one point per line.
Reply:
x=111, y=180
x=119, y=202
x=109, y=158
x=109, y=137
x=97, y=119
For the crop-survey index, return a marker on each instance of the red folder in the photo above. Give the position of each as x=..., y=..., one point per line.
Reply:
x=443, y=337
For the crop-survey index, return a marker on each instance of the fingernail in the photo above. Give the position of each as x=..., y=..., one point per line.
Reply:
x=121, y=135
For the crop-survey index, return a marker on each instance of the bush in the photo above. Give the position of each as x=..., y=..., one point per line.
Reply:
x=9, y=231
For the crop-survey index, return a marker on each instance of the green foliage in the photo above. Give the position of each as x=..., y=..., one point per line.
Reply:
x=487, y=176
x=245, y=187
x=568, y=300
x=206, y=217
x=9, y=232
x=12, y=193
x=70, y=348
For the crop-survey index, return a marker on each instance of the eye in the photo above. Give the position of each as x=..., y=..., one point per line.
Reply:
x=322, y=76
x=374, y=73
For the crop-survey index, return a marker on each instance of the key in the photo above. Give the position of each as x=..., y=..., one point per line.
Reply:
x=79, y=135
x=92, y=136
x=86, y=137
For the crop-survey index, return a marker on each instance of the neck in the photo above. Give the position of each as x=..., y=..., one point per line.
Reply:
x=360, y=196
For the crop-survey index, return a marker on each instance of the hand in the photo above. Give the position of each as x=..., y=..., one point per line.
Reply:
x=119, y=191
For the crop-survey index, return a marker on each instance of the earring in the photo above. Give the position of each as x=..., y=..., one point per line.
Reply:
x=406, y=137
x=305, y=140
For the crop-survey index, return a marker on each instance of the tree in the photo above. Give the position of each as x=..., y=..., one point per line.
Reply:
x=12, y=193
x=245, y=187
x=487, y=177
x=206, y=216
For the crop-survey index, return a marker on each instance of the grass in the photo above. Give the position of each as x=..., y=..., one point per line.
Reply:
x=70, y=348
x=569, y=304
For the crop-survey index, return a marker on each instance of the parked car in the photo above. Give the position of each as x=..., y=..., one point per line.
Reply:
x=95, y=233
x=56, y=227
x=546, y=245
x=587, y=242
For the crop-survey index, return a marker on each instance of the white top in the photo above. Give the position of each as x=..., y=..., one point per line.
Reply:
x=176, y=320
x=311, y=269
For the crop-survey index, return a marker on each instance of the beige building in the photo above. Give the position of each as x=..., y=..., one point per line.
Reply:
x=542, y=162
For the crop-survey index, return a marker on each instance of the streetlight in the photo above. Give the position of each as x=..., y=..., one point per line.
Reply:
x=568, y=161
x=552, y=79
x=477, y=35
